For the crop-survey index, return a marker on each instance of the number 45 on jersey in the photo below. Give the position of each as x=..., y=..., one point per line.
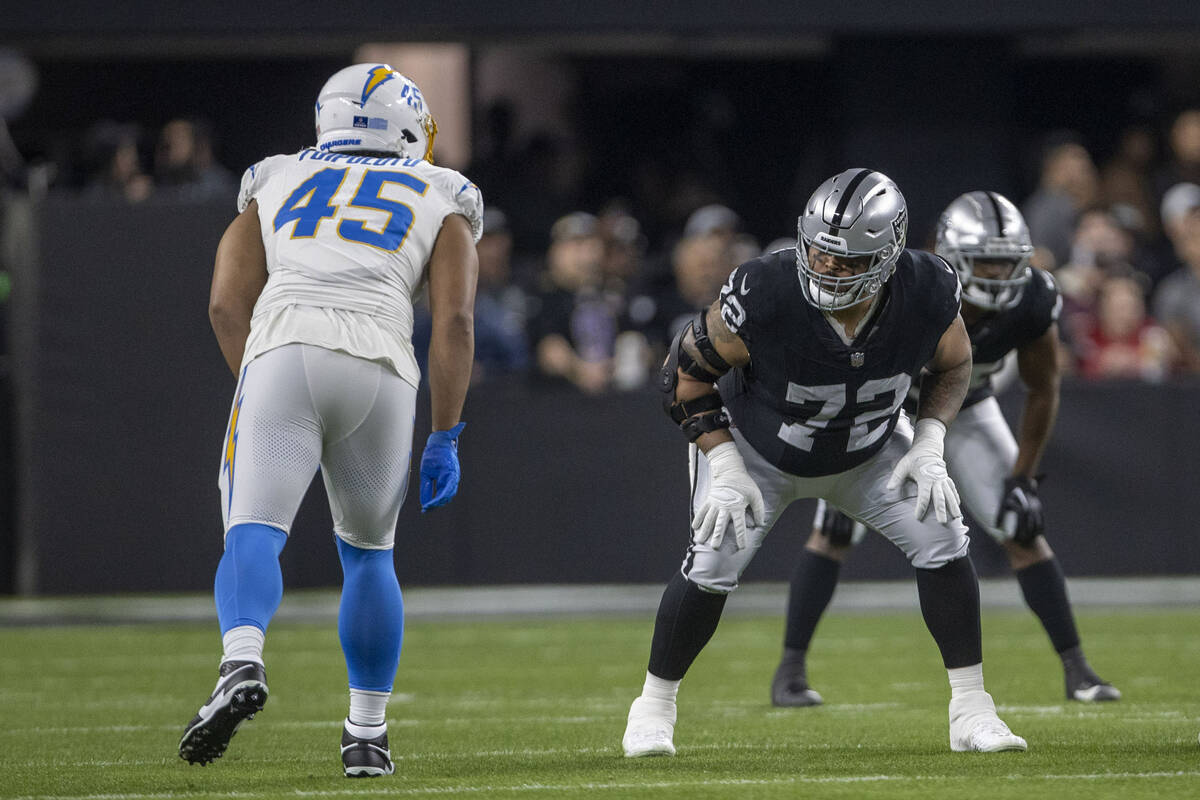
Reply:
x=310, y=203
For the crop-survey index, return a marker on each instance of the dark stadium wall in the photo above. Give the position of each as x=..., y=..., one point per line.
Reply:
x=482, y=17
x=124, y=400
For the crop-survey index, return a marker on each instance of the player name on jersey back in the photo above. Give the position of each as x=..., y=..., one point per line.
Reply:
x=348, y=237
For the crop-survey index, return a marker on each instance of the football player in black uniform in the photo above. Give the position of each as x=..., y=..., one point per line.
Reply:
x=1007, y=306
x=814, y=350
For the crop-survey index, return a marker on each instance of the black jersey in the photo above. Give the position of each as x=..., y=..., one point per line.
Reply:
x=808, y=402
x=994, y=335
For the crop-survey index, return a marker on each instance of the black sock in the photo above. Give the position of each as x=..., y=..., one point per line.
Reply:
x=813, y=582
x=1045, y=591
x=1077, y=669
x=950, y=605
x=687, y=618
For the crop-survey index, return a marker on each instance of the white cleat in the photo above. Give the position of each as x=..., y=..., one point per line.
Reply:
x=650, y=729
x=1096, y=693
x=975, y=727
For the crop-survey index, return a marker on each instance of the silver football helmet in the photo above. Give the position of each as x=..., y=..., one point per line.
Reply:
x=856, y=214
x=986, y=227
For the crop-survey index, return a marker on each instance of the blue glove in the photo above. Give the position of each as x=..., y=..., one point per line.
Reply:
x=439, y=468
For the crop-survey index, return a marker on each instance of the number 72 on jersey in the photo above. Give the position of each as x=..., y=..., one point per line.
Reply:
x=874, y=402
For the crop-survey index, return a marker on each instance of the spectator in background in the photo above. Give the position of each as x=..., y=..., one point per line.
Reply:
x=624, y=247
x=1125, y=181
x=1177, y=299
x=743, y=248
x=500, y=308
x=184, y=165
x=1184, y=140
x=713, y=220
x=1068, y=185
x=1100, y=247
x=1122, y=341
x=573, y=322
x=700, y=264
x=701, y=260
x=114, y=164
x=500, y=305
x=1179, y=202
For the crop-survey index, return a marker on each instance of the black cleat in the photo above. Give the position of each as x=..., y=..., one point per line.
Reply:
x=1083, y=684
x=240, y=694
x=366, y=758
x=1090, y=689
x=789, y=688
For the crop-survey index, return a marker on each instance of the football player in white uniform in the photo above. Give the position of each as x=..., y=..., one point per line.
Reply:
x=1008, y=307
x=312, y=306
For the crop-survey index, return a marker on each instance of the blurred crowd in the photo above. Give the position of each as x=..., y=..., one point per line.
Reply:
x=122, y=161
x=1123, y=241
x=597, y=306
x=591, y=297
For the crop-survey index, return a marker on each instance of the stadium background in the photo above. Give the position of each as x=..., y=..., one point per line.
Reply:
x=118, y=396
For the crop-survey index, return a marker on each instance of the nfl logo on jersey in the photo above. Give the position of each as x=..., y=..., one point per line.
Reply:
x=857, y=359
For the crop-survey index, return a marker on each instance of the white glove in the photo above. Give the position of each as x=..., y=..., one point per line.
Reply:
x=923, y=463
x=730, y=491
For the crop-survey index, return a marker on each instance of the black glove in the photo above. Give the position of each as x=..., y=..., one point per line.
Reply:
x=1021, y=510
x=837, y=527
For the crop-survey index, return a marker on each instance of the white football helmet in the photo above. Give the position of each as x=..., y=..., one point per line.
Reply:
x=985, y=226
x=374, y=107
x=858, y=213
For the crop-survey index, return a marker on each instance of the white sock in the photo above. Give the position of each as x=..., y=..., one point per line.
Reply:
x=365, y=731
x=965, y=679
x=368, y=710
x=243, y=643
x=660, y=689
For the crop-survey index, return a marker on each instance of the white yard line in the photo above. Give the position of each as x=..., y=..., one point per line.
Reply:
x=559, y=600
x=560, y=788
x=507, y=752
x=1082, y=712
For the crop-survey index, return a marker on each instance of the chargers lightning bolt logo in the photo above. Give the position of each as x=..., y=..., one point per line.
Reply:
x=375, y=78
x=231, y=445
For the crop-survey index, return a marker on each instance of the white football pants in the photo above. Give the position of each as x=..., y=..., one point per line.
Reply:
x=861, y=492
x=980, y=454
x=298, y=406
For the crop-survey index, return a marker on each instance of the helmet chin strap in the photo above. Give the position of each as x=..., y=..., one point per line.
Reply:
x=987, y=299
x=835, y=301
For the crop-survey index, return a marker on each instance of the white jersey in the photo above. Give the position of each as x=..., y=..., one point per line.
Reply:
x=348, y=238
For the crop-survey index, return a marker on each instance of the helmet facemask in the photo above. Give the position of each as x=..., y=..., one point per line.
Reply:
x=993, y=294
x=830, y=292
x=857, y=216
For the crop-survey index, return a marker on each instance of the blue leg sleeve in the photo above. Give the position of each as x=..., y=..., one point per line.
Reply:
x=371, y=617
x=249, y=583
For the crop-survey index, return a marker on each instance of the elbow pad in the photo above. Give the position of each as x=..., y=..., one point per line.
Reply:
x=679, y=358
x=695, y=417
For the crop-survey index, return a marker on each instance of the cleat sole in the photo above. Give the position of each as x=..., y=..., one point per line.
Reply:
x=207, y=740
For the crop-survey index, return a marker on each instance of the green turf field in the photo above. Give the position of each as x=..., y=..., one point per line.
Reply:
x=535, y=709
